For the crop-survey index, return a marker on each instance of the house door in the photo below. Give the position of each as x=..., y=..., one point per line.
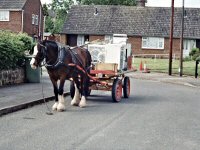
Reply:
x=72, y=40
x=187, y=46
x=198, y=43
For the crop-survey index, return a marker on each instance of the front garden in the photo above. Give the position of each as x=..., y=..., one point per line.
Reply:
x=12, y=56
x=162, y=65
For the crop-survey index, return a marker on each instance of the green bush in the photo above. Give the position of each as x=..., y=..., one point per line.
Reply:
x=187, y=58
x=195, y=52
x=12, y=48
x=198, y=58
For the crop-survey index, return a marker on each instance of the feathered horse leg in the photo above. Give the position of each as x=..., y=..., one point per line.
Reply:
x=84, y=88
x=61, y=100
x=55, y=88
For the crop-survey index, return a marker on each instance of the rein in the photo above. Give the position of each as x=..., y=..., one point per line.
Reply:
x=60, y=57
x=75, y=58
x=91, y=77
x=49, y=112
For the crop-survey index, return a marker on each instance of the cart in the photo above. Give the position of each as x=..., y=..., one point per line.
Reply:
x=110, y=60
x=106, y=77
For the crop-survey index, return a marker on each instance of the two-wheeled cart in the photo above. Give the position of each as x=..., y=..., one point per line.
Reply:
x=104, y=76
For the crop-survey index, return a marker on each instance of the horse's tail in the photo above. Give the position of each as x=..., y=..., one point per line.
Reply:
x=89, y=61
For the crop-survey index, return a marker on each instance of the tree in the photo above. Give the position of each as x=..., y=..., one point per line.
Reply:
x=54, y=23
x=60, y=8
x=108, y=2
x=45, y=10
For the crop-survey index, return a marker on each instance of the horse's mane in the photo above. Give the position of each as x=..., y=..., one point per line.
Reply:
x=50, y=43
x=55, y=44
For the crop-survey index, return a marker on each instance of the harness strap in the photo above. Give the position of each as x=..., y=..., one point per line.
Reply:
x=60, y=59
x=91, y=77
x=74, y=60
x=61, y=56
x=75, y=57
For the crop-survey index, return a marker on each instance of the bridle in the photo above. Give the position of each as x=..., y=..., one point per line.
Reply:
x=43, y=51
x=42, y=55
x=59, y=61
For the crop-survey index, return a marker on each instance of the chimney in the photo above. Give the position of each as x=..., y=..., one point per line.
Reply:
x=140, y=3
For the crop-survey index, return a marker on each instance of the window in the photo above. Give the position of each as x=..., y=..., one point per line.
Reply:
x=80, y=40
x=108, y=38
x=33, y=19
x=36, y=19
x=153, y=43
x=4, y=15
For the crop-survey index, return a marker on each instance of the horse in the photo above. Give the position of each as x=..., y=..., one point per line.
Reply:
x=63, y=63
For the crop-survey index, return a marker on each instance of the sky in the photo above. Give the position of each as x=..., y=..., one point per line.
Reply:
x=162, y=3
x=45, y=1
x=177, y=3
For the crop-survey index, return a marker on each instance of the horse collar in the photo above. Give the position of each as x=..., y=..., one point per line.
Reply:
x=59, y=61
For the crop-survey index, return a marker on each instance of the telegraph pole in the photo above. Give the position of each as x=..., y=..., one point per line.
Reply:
x=171, y=37
x=181, y=43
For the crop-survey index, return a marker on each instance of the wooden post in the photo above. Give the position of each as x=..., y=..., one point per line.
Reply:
x=171, y=37
x=181, y=42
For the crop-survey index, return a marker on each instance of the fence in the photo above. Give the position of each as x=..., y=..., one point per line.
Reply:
x=160, y=63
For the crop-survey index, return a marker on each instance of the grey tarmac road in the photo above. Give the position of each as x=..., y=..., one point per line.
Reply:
x=157, y=116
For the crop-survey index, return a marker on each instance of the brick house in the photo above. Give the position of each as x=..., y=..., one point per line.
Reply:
x=22, y=16
x=147, y=28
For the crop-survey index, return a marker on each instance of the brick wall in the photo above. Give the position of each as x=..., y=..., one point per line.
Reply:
x=32, y=7
x=176, y=46
x=15, y=22
x=96, y=37
x=136, y=43
x=63, y=39
x=12, y=76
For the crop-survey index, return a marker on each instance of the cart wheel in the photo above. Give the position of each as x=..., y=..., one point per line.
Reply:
x=117, y=90
x=72, y=89
x=88, y=92
x=126, y=87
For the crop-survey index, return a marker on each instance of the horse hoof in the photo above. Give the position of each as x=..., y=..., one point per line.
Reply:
x=61, y=107
x=74, y=103
x=83, y=104
x=54, y=107
x=60, y=110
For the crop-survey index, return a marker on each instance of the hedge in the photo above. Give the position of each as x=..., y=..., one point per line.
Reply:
x=195, y=53
x=12, y=49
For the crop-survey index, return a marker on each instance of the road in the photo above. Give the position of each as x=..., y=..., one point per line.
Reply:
x=157, y=116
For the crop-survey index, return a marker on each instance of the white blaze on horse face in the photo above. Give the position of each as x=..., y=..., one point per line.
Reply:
x=33, y=59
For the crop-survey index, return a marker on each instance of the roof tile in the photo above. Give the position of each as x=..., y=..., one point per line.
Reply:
x=130, y=20
x=12, y=4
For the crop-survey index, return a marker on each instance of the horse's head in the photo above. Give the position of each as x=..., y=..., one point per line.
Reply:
x=38, y=55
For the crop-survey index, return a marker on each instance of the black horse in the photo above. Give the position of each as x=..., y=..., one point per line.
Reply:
x=62, y=64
